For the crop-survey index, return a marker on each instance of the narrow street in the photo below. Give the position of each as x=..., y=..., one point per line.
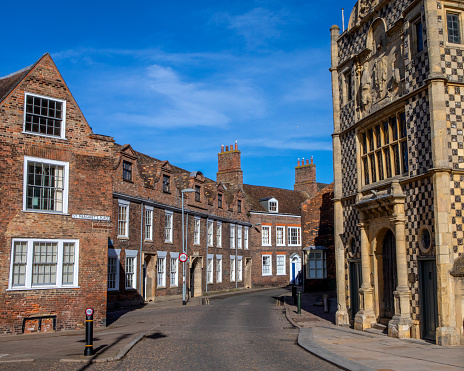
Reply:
x=239, y=332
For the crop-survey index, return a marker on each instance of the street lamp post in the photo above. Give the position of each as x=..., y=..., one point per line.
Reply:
x=184, y=247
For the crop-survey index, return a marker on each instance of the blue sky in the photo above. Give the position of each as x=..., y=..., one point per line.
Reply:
x=177, y=79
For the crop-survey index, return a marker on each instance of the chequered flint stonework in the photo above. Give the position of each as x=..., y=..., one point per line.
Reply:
x=350, y=230
x=354, y=43
x=419, y=210
x=454, y=102
x=457, y=219
x=347, y=115
x=417, y=67
x=349, y=168
x=419, y=134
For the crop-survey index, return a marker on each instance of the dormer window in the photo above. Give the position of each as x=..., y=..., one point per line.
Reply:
x=270, y=204
x=127, y=171
x=273, y=206
x=44, y=116
x=166, y=183
x=220, y=201
x=197, y=193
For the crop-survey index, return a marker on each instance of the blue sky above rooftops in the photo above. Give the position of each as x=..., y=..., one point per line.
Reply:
x=177, y=79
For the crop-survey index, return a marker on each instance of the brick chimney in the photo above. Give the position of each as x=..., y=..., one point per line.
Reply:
x=305, y=177
x=229, y=166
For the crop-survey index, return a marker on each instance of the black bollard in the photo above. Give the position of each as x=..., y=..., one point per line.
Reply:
x=299, y=303
x=89, y=332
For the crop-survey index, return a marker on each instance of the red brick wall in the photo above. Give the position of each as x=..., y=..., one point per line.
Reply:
x=318, y=221
x=229, y=166
x=89, y=159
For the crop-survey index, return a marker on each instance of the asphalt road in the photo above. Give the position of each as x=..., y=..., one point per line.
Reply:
x=239, y=332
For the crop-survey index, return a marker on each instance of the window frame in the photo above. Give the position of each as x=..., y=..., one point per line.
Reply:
x=280, y=242
x=266, y=236
x=131, y=255
x=218, y=269
x=63, y=116
x=127, y=171
x=220, y=200
x=245, y=238
x=265, y=274
x=310, y=270
x=273, y=206
x=219, y=234
x=232, y=275
x=166, y=183
x=210, y=269
x=239, y=206
x=29, y=264
x=168, y=223
x=197, y=193
x=239, y=237
x=384, y=150
x=196, y=230
x=114, y=254
x=123, y=204
x=239, y=268
x=417, y=40
x=458, y=14
x=232, y=236
x=280, y=272
x=290, y=237
x=174, y=274
x=148, y=226
x=210, y=233
x=65, y=189
x=161, y=268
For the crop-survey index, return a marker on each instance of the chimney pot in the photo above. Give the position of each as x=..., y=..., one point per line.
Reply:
x=231, y=147
x=236, y=146
x=298, y=162
x=307, y=162
x=227, y=148
x=222, y=148
x=311, y=160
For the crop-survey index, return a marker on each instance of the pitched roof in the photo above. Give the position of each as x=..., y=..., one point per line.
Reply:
x=289, y=200
x=8, y=83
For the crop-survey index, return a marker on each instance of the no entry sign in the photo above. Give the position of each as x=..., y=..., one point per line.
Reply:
x=183, y=257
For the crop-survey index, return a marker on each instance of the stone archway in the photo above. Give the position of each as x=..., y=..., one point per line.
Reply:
x=196, y=269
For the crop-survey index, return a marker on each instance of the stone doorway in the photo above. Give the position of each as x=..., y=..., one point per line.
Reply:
x=428, y=299
x=149, y=277
x=196, y=269
x=248, y=273
x=390, y=276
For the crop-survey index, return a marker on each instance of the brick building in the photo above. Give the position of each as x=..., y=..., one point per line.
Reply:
x=90, y=223
x=56, y=204
x=397, y=80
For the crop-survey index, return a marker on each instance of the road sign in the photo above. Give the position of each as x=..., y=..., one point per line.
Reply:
x=183, y=257
x=89, y=311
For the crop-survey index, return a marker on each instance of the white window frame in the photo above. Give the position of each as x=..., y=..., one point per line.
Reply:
x=148, y=223
x=290, y=237
x=65, y=166
x=313, y=267
x=219, y=234
x=63, y=118
x=28, y=265
x=232, y=236
x=161, y=269
x=196, y=232
x=123, y=204
x=239, y=237
x=131, y=255
x=280, y=241
x=266, y=235
x=114, y=254
x=245, y=238
x=210, y=269
x=281, y=269
x=174, y=273
x=266, y=272
x=232, y=268
x=218, y=268
x=168, y=216
x=210, y=230
x=239, y=269
x=273, y=206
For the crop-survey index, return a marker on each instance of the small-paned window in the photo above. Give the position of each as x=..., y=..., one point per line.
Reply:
x=197, y=193
x=113, y=269
x=161, y=270
x=239, y=237
x=123, y=218
x=239, y=206
x=218, y=269
x=209, y=275
x=127, y=171
x=239, y=269
x=281, y=265
x=266, y=265
x=232, y=236
x=273, y=206
x=219, y=234
x=245, y=238
x=130, y=270
x=265, y=235
x=44, y=116
x=385, y=150
x=166, y=183
x=148, y=223
x=168, y=227
x=220, y=200
x=280, y=236
x=294, y=236
x=316, y=267
x=232, y=268
x=174, y=271
x=454, y=31
x=196, y=234
x=210, y=232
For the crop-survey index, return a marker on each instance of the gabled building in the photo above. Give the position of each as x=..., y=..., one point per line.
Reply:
x=397, y=86
x=56, y=205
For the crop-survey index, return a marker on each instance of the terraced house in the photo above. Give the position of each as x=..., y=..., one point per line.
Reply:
x=87, y=222
x=397, y=85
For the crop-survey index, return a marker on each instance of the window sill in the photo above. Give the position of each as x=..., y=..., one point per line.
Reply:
x=123, y=238
x=267, y=275
x=12, y=289
x=150, y=240
x=168, y=242
x=44, y=135
x=46, y=212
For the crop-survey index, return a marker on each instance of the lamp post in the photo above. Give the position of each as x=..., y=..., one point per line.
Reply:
x=184, y=247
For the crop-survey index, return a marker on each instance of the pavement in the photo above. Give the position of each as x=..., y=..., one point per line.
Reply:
x=343, y=347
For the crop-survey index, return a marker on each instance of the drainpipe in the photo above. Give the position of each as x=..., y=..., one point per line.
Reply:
x=140, y=253
x=236, y=272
